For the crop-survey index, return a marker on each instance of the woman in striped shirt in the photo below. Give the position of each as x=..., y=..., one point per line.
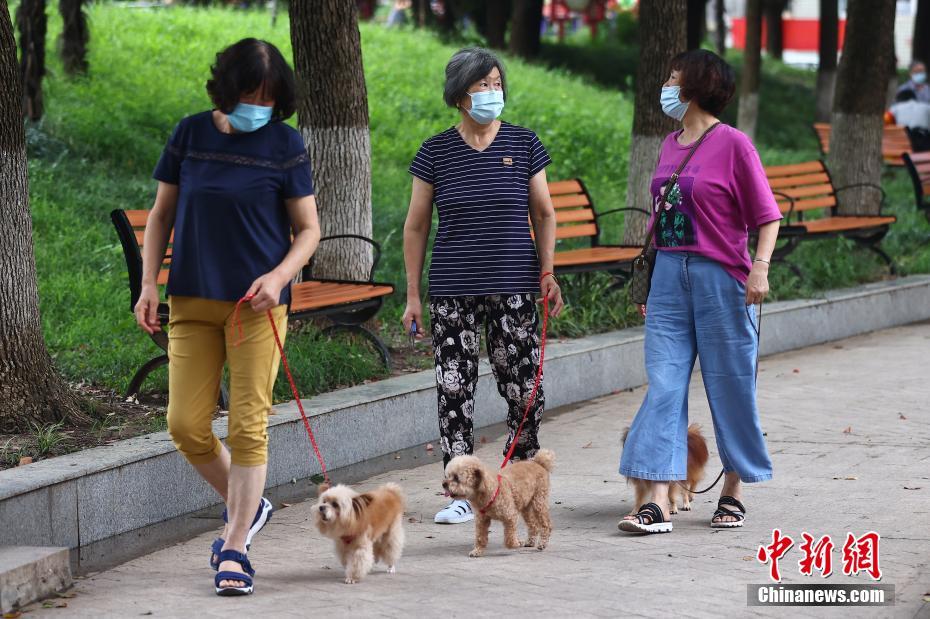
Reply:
x=486, y=178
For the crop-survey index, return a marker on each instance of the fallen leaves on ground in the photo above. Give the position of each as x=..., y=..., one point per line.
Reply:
x=901, y=416
x=848, y=430
x=847, y=478
x=25, y=460
x=912, y=487
x=588, y=446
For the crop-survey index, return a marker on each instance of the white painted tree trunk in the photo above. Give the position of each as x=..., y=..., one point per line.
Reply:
x=644, y=152
x=856, y=157
x=748, y=115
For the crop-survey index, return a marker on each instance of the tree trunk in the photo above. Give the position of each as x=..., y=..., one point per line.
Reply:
x=856, y=136
x=721, y=33
x=496, y=24
x=30, y=389
x=74, y=36
x=332, y=113
x=748, y=114
x=826, y=69
x=32, y=22
x=667, y=21
x=773, y=25
x=524, y=28
x=697, y=22
x=921, y=48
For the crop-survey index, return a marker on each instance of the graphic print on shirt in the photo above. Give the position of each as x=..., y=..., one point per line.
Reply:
x=675, y=227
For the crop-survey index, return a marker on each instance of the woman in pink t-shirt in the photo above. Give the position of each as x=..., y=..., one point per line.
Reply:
x=705, y=289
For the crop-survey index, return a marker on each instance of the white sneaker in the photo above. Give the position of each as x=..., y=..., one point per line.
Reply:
x=456, y=512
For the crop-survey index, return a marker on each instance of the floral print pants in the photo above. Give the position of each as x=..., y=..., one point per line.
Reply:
x=510, y=323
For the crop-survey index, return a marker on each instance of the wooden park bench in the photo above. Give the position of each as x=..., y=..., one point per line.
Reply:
x=576, y=218
x=803, y=189
x=918, y=166
x=895, y=142
x=347, y=304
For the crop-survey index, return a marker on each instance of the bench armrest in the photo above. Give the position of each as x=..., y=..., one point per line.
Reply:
x=374, y=244
x=617, y=210
x=881, y=204
x=791, y=201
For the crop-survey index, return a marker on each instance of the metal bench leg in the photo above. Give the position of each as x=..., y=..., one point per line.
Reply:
x=368, y=335
x=143, y=372
x=892, y=267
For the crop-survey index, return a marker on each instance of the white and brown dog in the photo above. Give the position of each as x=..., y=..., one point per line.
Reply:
x=524, y=491
x=366, y=527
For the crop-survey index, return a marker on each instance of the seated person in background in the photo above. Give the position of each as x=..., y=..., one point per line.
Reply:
x=917, y=82
x=915, y=115
x=910, y=112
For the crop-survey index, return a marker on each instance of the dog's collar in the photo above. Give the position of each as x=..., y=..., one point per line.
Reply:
x=494, y=497
x=347, y=539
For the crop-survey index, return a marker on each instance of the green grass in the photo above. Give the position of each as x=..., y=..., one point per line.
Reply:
x=103, y=133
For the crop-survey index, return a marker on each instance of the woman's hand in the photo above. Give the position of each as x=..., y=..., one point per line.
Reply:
x=414, y=313
x=265, y=292
x=757, y=286
x=550, y=289
x=146, y=309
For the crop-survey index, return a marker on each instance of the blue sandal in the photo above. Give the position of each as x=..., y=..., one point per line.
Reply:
x=244, y=576
x=262, y=516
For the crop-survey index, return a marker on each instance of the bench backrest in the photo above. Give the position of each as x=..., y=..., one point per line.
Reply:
x=894, y=142
x=808, y=183
x=130, y=226
x=574, y=212
x=918, y=166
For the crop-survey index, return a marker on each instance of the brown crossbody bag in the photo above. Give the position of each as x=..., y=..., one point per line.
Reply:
x=645, y=262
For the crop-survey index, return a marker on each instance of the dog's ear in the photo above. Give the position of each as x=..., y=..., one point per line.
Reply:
x=323, y=487
x=360, y=502
x=479, y=476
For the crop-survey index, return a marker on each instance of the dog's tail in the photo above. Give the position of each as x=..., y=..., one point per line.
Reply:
x=396, y=490
x=545, y=458
x=697, y=446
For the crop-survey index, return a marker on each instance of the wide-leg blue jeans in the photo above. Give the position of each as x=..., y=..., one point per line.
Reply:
x=697, y=309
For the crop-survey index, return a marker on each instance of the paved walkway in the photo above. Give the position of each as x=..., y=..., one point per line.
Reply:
x=848, y=426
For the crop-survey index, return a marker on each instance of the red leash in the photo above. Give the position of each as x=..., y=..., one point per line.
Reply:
x=532, y=400
x=287, y=370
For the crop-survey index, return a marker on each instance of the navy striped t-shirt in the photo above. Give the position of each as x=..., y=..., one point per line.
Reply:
x=483, y=244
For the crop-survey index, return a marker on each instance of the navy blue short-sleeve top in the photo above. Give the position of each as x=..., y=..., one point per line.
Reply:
x=231, y=225
x=483, y=244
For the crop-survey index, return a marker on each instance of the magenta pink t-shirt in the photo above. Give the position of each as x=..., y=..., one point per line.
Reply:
x=721, y=194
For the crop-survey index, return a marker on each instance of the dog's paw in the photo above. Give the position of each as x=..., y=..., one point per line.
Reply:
x=514, y=544
x=392, y=569
x=686, y=507
x=350, y=581
x=541, y=546
x=475, y=553
x=529, y=543
x=673, y=509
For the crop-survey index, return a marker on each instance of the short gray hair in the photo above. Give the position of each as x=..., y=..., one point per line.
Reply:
x=465, y=68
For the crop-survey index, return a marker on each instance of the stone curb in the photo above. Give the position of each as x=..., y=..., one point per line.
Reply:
x=29, y=573
x=88, y=496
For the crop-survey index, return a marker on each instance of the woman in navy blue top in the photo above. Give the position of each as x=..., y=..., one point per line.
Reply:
x=234, y=184
x=487, y=179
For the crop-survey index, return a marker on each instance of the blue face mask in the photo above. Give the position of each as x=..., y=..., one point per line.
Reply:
x=919, y=78
x=486, y=105
x=671, y=104
x=247, y=118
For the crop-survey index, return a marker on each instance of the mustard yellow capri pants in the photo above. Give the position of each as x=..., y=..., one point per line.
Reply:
x=201, y=338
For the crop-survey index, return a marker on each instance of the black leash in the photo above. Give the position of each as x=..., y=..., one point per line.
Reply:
x=758, y=331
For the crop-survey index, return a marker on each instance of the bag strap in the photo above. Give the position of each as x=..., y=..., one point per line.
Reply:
x=671, y=183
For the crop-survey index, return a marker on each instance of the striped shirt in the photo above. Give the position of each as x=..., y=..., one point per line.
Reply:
x=483, y=244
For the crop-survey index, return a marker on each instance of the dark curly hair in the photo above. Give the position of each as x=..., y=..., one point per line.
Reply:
x=245, y=67
x=705, y=78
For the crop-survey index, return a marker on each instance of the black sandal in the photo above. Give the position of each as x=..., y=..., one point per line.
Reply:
x=739, y=513
x=649, y=519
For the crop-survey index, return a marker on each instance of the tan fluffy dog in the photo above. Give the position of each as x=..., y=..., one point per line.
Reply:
x=697, y=459
x=366, y=527
x=524, y=491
